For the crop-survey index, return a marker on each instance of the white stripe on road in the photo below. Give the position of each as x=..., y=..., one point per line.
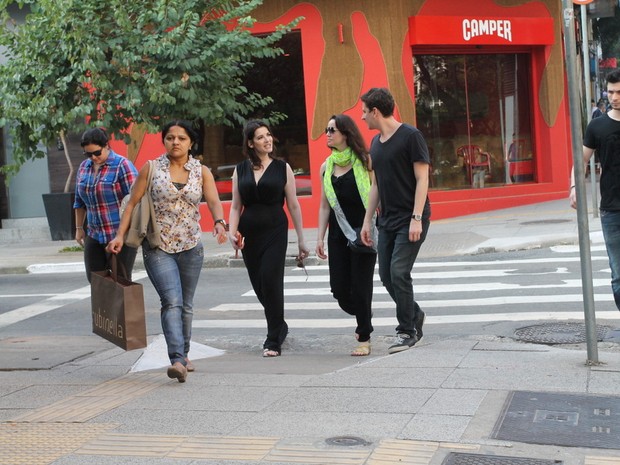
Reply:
x=456, y=303
x=525, y=261
x=52, y=303
x=312, y=323
x=469, y=274
x=446, y=288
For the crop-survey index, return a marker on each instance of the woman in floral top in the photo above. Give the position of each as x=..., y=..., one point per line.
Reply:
x=179, y=182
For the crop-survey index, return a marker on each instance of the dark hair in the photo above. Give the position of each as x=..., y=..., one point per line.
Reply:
x=347, y=126
x=189, y=129
x=381, y=99
x=248, y=135
x=95, y=136
x=613, y=77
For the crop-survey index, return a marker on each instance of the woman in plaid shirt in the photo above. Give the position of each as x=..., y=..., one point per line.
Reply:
x=103, y=179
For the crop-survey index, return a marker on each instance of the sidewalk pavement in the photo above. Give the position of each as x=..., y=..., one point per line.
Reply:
x=469, y=399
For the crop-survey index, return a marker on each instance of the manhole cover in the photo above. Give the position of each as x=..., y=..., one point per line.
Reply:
x=346, y=441
x=561, y=420
x=558, y=333
x=457, y=458
x=552, y=221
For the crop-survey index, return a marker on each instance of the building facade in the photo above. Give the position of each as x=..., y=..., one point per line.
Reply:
x=484, y=81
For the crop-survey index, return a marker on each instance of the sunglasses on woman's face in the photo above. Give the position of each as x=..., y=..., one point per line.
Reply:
x=330, y=130
x=96, y=153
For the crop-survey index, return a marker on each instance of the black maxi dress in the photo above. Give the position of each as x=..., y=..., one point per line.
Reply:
x=264, y=225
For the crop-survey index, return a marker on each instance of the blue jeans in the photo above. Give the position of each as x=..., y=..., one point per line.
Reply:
x=175, y=277
x=610, y=223
x=396, y=258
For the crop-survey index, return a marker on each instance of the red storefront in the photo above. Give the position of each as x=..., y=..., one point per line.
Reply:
x=484, y=81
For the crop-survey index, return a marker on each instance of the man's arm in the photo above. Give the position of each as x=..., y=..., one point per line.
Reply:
x=572, y=194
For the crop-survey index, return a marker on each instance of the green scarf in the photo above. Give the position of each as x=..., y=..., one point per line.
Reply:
x=362, y=177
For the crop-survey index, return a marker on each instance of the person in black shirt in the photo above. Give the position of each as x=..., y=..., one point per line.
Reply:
x=401, y=162
x=603, y=136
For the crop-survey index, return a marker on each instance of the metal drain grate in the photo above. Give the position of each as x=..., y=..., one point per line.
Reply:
x=560, y=419
x=558, y=333
x=455, y=458
x=347, y=441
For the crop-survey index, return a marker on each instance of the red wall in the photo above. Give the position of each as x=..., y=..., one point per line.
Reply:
x=552, y=143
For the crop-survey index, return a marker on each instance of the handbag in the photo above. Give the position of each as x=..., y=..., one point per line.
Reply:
x=118, y=308
x=358, y=246
x=143, y=224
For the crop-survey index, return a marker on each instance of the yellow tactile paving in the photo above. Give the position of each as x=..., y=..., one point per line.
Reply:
x=93, y=402
x=404, y=452
x=291, y=453
x=140, y=445
x=602, y=460
x=43, y=443
x=224, y=448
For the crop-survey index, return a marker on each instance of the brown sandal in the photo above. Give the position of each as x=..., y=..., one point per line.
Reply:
x=362, y=349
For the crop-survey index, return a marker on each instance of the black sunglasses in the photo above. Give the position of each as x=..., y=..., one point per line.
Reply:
x=96, y=153
x=330, y=130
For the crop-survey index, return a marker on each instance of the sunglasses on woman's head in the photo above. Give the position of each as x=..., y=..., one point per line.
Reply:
x=96, y=153
x=330, y=130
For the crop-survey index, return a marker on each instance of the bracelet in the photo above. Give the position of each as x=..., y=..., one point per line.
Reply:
x=220, y=221
x=572, y=187
x=79, y=227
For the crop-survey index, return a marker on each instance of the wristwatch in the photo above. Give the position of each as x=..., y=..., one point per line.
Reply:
x=416, y=217
x=221, y=221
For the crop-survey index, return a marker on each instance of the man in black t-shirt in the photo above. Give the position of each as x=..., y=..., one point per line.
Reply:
x=603, y=135
x=401, y=162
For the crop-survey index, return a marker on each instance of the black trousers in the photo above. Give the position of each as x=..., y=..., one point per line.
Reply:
x=96, y=258
x=264, y=255
x=351, y=281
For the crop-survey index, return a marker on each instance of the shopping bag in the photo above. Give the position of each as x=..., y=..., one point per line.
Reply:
x=118, y=309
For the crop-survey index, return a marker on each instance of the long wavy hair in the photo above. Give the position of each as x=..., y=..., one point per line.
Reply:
x=347, y=126
x=248, y=135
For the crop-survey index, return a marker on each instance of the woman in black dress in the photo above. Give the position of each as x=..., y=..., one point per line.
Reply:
x=260, y=185
x=347, y=178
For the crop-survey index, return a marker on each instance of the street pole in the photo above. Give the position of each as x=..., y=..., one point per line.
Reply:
x=585, y=53
x=578, y=165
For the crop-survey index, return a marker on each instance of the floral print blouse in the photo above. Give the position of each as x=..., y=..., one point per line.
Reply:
x=176, y=210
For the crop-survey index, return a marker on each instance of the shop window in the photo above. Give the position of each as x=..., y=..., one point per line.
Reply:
x=282, y=79
x=474, y=111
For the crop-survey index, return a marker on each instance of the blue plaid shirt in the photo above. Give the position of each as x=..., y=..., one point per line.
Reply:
x=101, y=194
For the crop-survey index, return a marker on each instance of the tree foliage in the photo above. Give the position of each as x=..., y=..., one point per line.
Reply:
x=113, y=63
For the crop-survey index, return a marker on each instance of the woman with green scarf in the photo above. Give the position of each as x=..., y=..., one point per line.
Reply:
x=347, y=177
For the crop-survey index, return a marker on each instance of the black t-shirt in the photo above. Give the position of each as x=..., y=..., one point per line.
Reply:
x=603, y=135
x=392, y=162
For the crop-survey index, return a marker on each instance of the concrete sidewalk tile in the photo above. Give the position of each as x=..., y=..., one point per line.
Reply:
x=371, y=377
x=354, y=400
x=454, y=402
x=429, y=427
x=318, y=424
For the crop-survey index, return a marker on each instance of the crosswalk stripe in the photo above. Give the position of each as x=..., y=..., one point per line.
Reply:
x=310, y=323
x=447, y=288
x=448, y=303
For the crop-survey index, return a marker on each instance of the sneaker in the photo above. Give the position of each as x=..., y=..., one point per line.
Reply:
x=403, y=342
x=418, y=322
